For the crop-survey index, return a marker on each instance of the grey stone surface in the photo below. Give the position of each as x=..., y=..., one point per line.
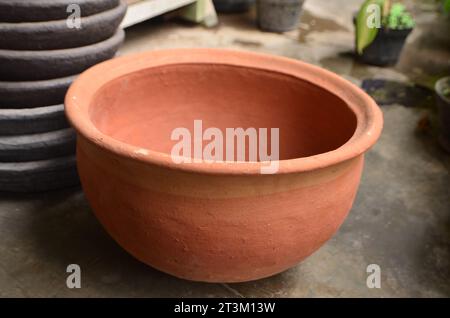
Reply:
x=400, y=219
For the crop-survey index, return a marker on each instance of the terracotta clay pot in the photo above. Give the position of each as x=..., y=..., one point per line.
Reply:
x=219, y=222
x=41, y=65
x=32, y=120
x=34, y=93
x=38, y=176
x=48, y=10
x=55, y=35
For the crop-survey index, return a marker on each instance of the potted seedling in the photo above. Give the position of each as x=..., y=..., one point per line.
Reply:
x=233, y=6
x=382, y=28
x=278, y=15
x=446, y=4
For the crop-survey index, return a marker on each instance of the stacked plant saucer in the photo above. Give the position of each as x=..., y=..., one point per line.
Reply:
x=41, y=53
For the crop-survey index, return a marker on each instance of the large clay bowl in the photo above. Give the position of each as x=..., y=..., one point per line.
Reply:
x=37, y=176
x=54, y=35
x=219, y=222
x=22, y=121
x=34, y=93
x=39, y=146
x=47, y=10
x=16, y=65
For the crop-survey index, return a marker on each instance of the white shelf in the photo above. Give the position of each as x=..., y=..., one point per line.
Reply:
x=147, y=9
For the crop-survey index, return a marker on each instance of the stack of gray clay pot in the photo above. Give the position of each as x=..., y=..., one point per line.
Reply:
x=40, y=55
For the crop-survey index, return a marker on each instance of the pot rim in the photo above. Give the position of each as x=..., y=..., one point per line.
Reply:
x=81, y=93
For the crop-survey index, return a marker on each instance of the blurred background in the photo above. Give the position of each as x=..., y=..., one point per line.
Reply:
x=401, y=217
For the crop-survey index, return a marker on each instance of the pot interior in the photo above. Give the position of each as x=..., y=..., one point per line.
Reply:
x=143, y=108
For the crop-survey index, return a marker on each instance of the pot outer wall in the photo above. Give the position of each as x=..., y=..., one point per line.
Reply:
x=49, y=10
x=279, y=15
x=443, y=104
x=386, y=48
x=233, y=6
x=55, y=35
x=216, y=228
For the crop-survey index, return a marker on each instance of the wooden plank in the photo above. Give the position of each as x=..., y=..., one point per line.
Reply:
x=147, y=9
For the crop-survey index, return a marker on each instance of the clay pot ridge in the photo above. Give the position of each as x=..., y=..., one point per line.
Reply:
x=54, y=35
x=82, y=93
x=32, y=120
x=40, y=146
x=20, y=65
x=45, y=10
x=30, y=94
x=38, y=176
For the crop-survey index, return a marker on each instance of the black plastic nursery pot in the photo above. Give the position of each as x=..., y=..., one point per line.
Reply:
x=442, y=90
x=41, y=146
x=279, y=15
x=233, y=6
x=386, y=48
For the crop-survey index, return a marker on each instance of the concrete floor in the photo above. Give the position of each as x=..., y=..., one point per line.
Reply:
x=400, y=220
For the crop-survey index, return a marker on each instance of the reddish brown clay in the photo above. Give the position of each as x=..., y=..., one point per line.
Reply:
x=219, y=222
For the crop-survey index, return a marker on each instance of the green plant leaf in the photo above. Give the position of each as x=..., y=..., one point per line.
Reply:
x=447, y=6
x=365, y=34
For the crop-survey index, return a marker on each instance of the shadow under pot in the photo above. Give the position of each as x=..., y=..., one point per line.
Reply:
x=386, y=49
x=442, y=89
x=279, y=15
x=233, y=6
x=49, y=10
x=34, y=93
x=17, y=65
x=54, y=35
x=38, y=176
